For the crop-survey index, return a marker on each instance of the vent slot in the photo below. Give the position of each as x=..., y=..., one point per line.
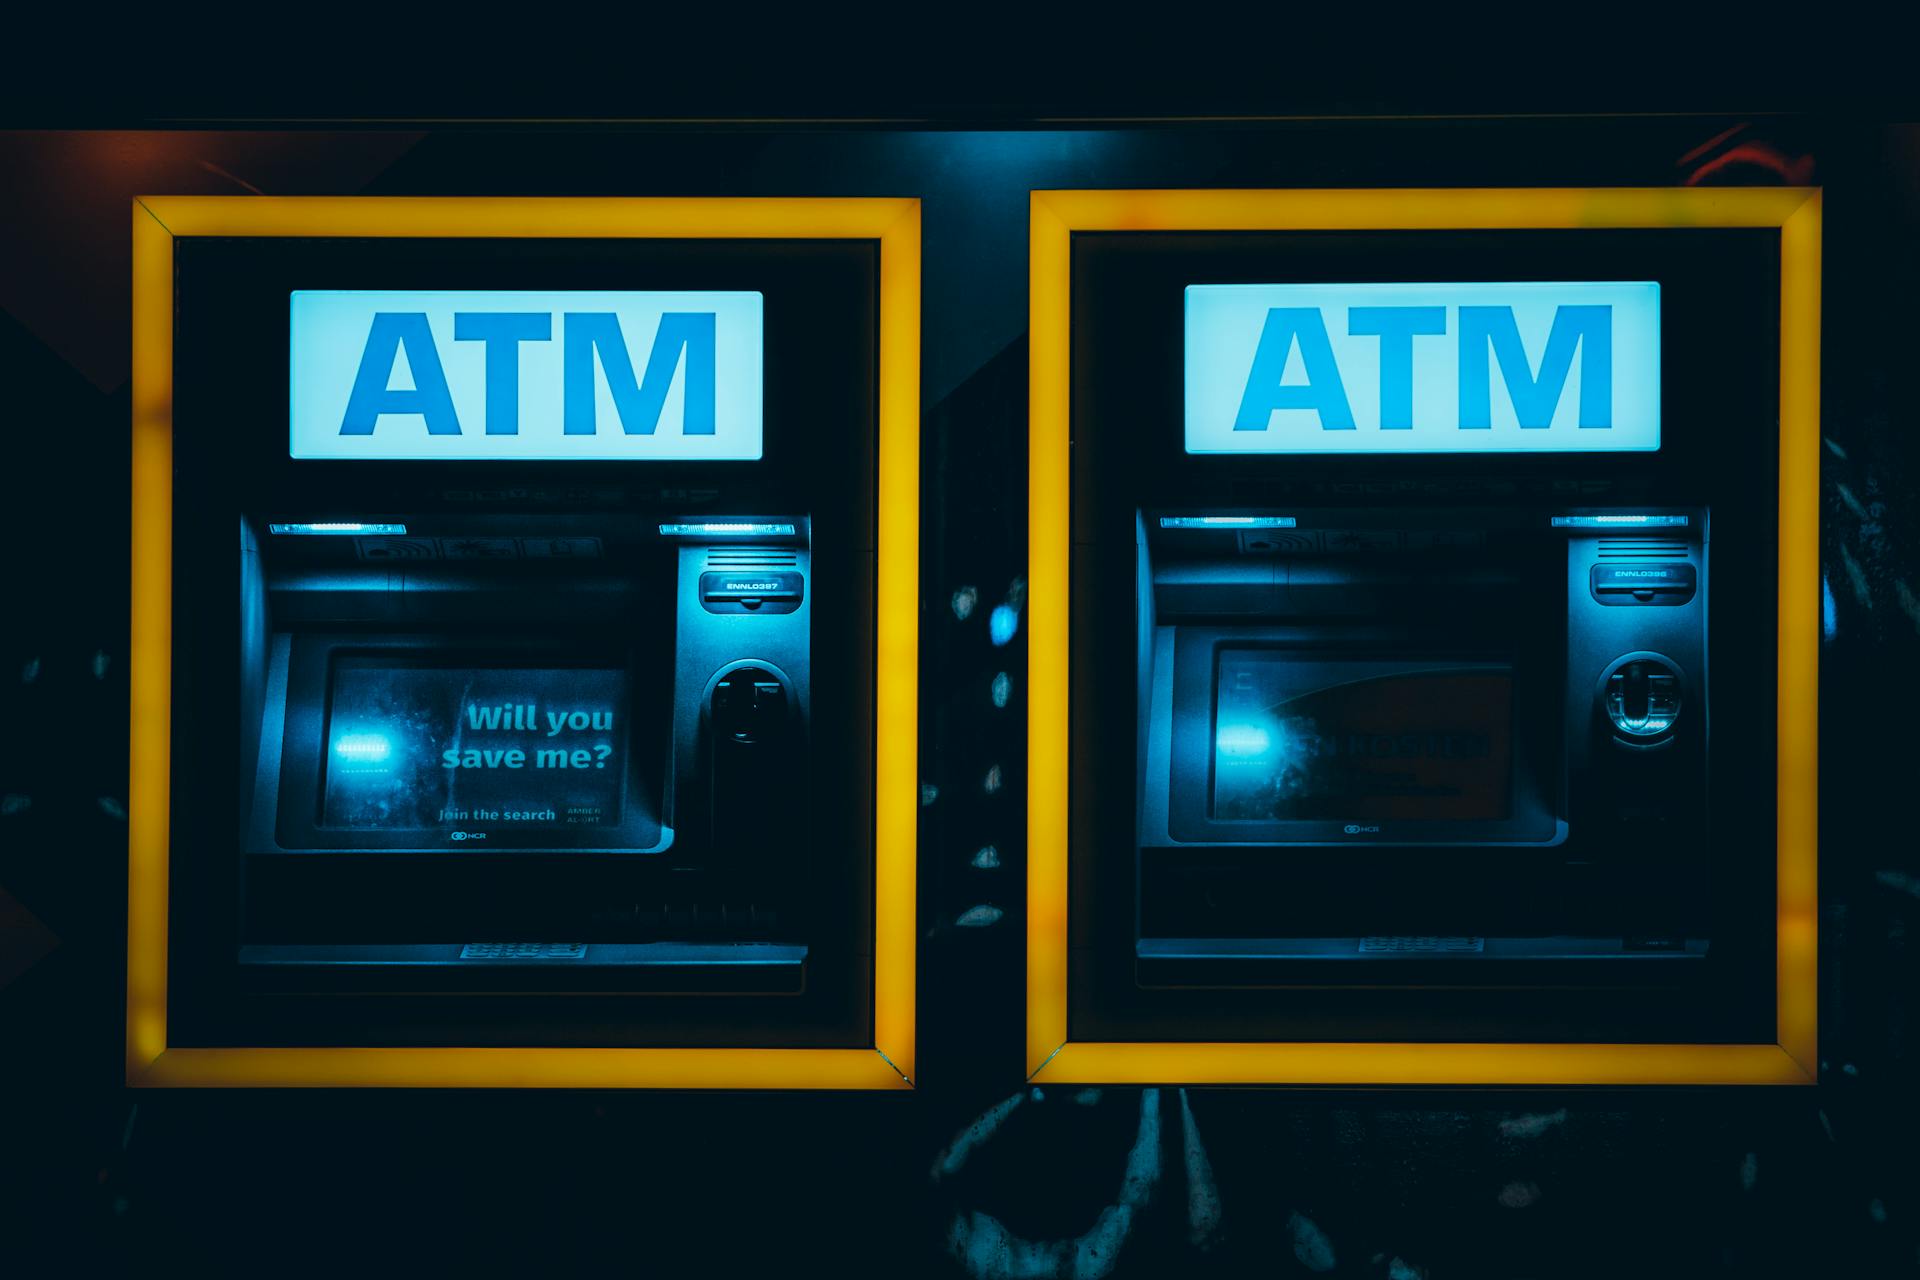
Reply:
x=1422, y=946
x=1642, y=549
x=751, y=558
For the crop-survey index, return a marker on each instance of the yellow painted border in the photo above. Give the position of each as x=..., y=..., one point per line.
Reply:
x=1051, y=1056
x=895, y=225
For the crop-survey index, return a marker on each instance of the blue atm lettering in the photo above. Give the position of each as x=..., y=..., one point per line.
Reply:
x=587, y=338
x=393, y=332
x=1489, y=336
x=1323, y=391
x=1535, y=397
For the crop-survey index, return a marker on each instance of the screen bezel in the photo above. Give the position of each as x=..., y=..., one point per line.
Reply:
x=295, y=802
x=1533, y=816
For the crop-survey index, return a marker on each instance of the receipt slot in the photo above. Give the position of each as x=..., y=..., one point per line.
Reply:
x=512, y=638
x=1423, y=636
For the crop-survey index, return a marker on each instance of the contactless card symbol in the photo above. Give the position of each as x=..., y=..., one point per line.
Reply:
x=481, y=548
x=1363, y=540
x=1278, y=542
x=1445, y=539
x=396, y=548
x=560, y=548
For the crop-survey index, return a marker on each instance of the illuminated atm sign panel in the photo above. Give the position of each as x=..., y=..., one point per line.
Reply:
x=1423, y=368
x=465, y=376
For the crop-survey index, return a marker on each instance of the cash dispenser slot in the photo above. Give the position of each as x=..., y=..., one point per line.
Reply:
x=751, y=592
x=1649, y=582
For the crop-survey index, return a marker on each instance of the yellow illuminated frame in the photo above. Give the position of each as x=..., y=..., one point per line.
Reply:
x=889, y=1062
x=1051, y=1056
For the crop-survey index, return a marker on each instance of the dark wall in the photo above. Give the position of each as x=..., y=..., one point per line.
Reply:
x=972, y=1173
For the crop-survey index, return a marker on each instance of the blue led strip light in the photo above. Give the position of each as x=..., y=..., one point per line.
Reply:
x=730, y=527
x=337, y=528
x=1227, y=522
x=1620, y=522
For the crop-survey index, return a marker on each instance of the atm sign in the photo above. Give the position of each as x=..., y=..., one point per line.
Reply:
x=1532, y=366
x=465, y=376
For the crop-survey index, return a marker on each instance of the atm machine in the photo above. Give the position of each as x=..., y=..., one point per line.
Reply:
x=1446, y=696
x=497, y=744
x=523, y=645
x=1492, y=723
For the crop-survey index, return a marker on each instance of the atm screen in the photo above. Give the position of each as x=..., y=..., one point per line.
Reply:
x=414, y=746
x=1302, y=738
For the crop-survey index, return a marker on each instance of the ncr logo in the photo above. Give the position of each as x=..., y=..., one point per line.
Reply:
x=471, y=375
x=1423, y=368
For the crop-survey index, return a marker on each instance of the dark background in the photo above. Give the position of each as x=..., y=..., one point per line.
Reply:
x=972, y=1173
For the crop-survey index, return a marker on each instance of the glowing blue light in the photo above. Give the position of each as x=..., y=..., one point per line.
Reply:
x=728, y=527
x=337, y=528
x=1002, y=688
x=1002, y=623
x=1609, y=521
x=1227, y=522
x=363, y=748
x=380, y=375
x=1829, y=611
x=1423, y=367
x=1243, y=740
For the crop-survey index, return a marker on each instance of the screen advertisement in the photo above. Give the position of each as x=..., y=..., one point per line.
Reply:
x=459, y=749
